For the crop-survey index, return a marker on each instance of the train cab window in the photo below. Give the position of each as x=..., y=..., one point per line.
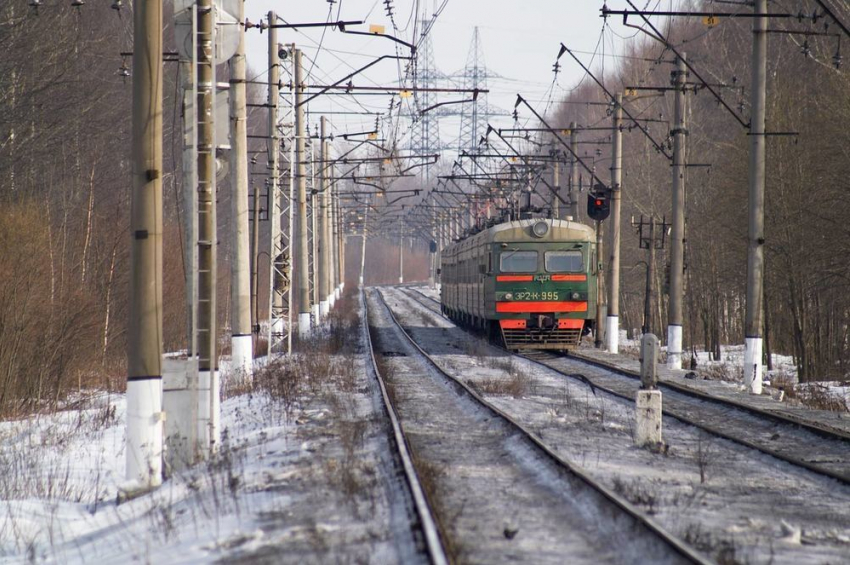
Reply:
x=518, y=262
x=564, y=262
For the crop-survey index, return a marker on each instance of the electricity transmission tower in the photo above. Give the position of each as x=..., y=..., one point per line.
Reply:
x=425, y=135
x=475, y=115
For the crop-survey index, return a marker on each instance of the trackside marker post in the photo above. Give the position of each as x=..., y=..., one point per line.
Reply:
x=648, y=401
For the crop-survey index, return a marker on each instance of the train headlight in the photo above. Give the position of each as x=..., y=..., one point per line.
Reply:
x=540, y=229
x=576, y=296
x=509, y=296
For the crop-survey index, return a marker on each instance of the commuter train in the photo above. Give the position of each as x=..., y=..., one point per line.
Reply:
x=529, y=284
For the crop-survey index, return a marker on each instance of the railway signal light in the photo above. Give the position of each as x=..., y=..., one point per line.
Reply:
x=598, y=206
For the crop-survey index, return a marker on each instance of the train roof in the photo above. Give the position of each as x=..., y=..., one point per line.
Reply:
x=521, y=230
x=558, y=230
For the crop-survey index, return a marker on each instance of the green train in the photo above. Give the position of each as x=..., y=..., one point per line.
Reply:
x=529, y=284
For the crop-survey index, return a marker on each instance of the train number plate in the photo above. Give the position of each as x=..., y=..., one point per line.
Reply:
x=549, y=295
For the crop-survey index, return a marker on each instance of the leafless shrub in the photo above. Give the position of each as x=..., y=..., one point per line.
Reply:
x=630, y=351
x=283, y=379
x=817, y=396
x=721, y=372
x=517, y=384
x=723, y=551
x=501, y=363
x=638, y=493
x=345, y=371
x=704, y=458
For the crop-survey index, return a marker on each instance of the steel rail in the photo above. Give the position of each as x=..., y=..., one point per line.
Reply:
x=434, y=544
x=814, y=427
x=780, y=418
x=797, y=462
x=641, y=519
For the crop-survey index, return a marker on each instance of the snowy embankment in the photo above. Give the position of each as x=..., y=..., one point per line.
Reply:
x=303, y=474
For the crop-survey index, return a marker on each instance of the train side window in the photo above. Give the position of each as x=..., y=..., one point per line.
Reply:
x=563, y=262
x=518, y=262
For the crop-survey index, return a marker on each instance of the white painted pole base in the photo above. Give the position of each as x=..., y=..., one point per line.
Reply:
x=752, y=364
x=324, y=308
x=179, y=402
x=674, y=347
x=304, y=324
x=648, y=418
x=314, y=310
x=339, y=291
x=401, y=280
x=204, y=425
x=361, y=281
x=242, y=357
x=331, y=301
x=215, y=412
x=144, y=432
x=612, y=334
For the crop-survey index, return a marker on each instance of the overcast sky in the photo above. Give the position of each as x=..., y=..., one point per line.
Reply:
x=520, y=41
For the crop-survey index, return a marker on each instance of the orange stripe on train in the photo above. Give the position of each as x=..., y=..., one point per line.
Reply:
x=571, y=278
x=514, y=278
x=541, y=306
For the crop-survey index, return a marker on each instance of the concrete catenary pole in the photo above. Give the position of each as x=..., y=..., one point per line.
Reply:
x=301, y=242
x=648, y=298
x=755, y=249
x=600, y=288
x=144, y=351
x=255, y=264
x=556, y=183
x=334, y=230
x=324, y=221
x=339, y=249
x=315, y=217
x=613, y=331
x=207, y=359
x=363, y=246
x=401, y=253
x=574, y=187
x=677, y=243
x=273, y=154
x=240, y=279
x=338, y=263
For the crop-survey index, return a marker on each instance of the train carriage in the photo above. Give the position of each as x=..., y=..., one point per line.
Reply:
x=530, y=284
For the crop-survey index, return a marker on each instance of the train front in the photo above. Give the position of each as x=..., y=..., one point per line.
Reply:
x=545, y=283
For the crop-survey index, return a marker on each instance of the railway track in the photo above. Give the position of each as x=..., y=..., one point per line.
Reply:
x=434, y=549
x=803, y=444
x=491, y=467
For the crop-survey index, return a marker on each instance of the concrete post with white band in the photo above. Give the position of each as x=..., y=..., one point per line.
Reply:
x=648, y=400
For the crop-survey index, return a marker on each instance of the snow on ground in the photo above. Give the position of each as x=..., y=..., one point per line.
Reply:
x=303, y=479
x=734, y=504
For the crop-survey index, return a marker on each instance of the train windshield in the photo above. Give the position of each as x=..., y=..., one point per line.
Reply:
x=564, y=262
x=518, y=262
